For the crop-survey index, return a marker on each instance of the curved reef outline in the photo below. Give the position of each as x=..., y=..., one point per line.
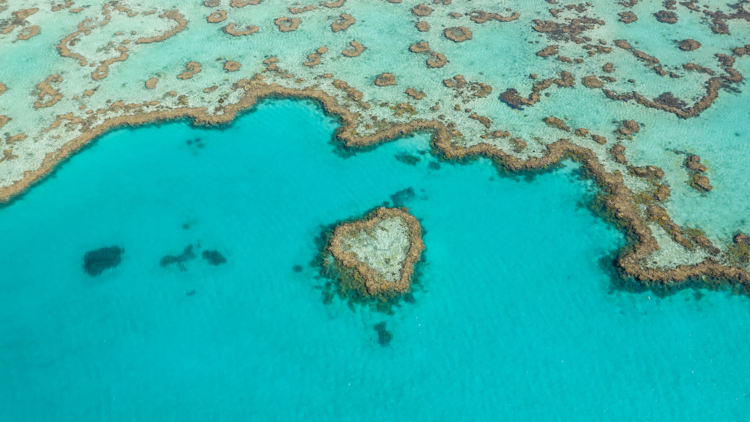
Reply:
x=373, y=281
x=618, y=200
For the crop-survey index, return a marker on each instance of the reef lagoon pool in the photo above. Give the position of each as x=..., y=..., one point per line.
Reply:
x=515, y=315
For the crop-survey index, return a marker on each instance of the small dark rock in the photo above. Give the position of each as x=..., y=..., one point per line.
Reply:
x=384, y=336
x=297, y=268
x=95, y=262
x=214, y=257
x=409, y=159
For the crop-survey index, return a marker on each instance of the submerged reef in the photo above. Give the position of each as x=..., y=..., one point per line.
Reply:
x=120, y=64
x=384, y=336
x=214, y=257
x=96, y=261
x=186, y=255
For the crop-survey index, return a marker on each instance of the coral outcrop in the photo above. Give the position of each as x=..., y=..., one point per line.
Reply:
x=381, y=250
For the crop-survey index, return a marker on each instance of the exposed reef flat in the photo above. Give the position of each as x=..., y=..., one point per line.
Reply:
x=102, y=75
x=382, y=249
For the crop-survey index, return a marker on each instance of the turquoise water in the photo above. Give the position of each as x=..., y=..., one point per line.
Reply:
x=515, y=320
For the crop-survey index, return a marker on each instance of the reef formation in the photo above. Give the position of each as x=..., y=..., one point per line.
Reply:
x=382, y=249
x=513, y=108
x=96, y=261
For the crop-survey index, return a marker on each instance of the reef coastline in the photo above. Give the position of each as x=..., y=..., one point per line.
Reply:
x=394, y=104
x=618, y=202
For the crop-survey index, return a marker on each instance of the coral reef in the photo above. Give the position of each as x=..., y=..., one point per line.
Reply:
x=214, y=257
x=385, y=79
x=383, y=248
x=689, y=45
x=218, y=16
x=458, y=33
x=231, y=29
x=191, y=69
x=355, y=50
x=345, y=21
x=384, y=336
x=666, y=16
x=96, y=261
x=186, y=255
x=286, y=24
x=76, y=119
x=628, y=17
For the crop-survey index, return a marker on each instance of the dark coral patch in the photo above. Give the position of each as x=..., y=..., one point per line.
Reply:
x=95, y=262
x=409, y=159
x=399, y=198
x=214, y=257
x=384, y=336
x=186, y=255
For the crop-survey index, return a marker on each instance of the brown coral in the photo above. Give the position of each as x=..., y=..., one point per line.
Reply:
x=45, y=89
x=385, y=79
x=417, y=95
x=345, y=21
x=628, y=17
x=689, y=45
x=373, y=282
x=421, y=10
x=232, y=30
x=355, y=50
x=286, y=24
x=666, y=16
x=547, y=51
x=218, y=16
x=458, y=33
x=28, y=32
x=592, y=82
x=232, y=66
x=555, y=122
x=191, y=69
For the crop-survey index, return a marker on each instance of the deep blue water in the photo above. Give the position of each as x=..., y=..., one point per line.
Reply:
x=515, y=320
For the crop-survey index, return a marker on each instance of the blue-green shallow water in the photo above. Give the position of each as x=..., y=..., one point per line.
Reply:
x=515, y=322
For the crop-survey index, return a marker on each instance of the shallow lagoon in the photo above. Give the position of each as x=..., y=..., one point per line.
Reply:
x=515, y=318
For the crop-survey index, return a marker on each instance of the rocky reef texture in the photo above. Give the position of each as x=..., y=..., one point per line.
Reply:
x=383, y=248
x=118, y=64
x=628, y=17
x=385, y=79
x=354, y=50
x=287, y=24
x=345, y=21
x=231, y=29
x=689, y=45
x=458, y=33
x=191, y=69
